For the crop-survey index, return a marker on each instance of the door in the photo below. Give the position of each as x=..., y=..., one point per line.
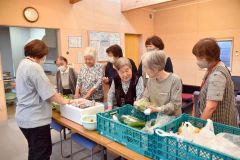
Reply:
x=132, y=47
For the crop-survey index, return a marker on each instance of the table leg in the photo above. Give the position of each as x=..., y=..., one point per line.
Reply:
x=104, y=153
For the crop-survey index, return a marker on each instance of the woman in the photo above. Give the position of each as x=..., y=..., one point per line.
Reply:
x=155, y=43
x=216, y=99
x=114, y=53
x=163, y=89
x=89, y=82
x=126, y=87
x=34, y=94
x=66, y=77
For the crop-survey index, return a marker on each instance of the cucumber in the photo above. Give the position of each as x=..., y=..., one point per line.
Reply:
x=138, y=124
x=132, y=121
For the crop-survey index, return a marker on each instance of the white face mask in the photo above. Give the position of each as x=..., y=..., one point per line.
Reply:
x=61, y=68
x=151, y=49
x=202, y=63
x=111, y=60
x=42, y=61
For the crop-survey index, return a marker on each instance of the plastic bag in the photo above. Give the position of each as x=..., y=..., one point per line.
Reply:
x=188, y=131
x=161, y=120
x=231, y=137
x=170, y=134
x=207, y=138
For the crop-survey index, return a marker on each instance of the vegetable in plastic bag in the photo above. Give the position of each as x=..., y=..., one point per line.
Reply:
x=142, y=104
x=161, y=120
x=188, y=131
x=132, y=121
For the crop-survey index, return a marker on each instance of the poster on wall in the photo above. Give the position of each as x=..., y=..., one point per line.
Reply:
x=74, y=42
x=101, y=41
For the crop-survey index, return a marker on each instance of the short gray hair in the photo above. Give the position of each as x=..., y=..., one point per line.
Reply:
x=154, y=60
x=89, y=51
x=121, y=62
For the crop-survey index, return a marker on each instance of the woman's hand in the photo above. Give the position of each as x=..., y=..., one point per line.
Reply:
x=153, y=108
x=77, y=101
x=59, y=99
x=135, y=105
x=109, y=108
x=77, y=95
x=105, y=80
x=90, y=93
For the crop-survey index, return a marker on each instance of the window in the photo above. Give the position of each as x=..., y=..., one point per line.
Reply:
x=226, y=51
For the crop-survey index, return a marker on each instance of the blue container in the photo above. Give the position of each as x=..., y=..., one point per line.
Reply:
x=173, y=149
x=132, y=138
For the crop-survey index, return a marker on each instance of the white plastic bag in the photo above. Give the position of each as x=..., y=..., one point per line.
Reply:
x=161, y=120
x=207, y=138
x=188, y=131
x=231, y=137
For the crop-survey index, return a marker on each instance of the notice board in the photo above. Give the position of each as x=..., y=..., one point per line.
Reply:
x=101, y=41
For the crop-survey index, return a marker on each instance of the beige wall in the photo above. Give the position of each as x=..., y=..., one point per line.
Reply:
x=182, y=26
x=78, y=19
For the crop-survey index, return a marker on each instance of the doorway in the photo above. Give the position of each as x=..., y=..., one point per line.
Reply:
x=12, y=42
x=132, y=47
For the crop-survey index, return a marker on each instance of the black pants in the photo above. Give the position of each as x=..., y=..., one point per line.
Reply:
x=39, y=142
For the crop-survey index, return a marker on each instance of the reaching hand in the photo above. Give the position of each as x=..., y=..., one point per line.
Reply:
x=153, y=108
x=77, y=95
x=105, y=80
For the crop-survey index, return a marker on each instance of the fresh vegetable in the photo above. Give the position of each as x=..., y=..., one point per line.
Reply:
x=66, y=97
x=132, y=121
x=54, y=105
x=196, y=130
x=142, y=104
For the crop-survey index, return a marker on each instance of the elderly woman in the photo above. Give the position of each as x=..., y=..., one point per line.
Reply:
x=89, y=82
x=66, y=77
x=34, y=94
x=163, y=89
x=126, y=87
x=114, y=53
x=216, y=99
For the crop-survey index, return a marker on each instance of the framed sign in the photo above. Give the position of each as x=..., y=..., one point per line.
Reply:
x=101, y=41
x=74, y=42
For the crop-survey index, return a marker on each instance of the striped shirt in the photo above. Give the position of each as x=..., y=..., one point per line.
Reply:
x=219, y=87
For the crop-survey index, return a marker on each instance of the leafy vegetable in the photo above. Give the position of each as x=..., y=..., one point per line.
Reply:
x=142, y=104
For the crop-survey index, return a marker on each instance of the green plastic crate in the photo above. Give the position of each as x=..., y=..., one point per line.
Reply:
x=132, y=138
x=173, y=149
